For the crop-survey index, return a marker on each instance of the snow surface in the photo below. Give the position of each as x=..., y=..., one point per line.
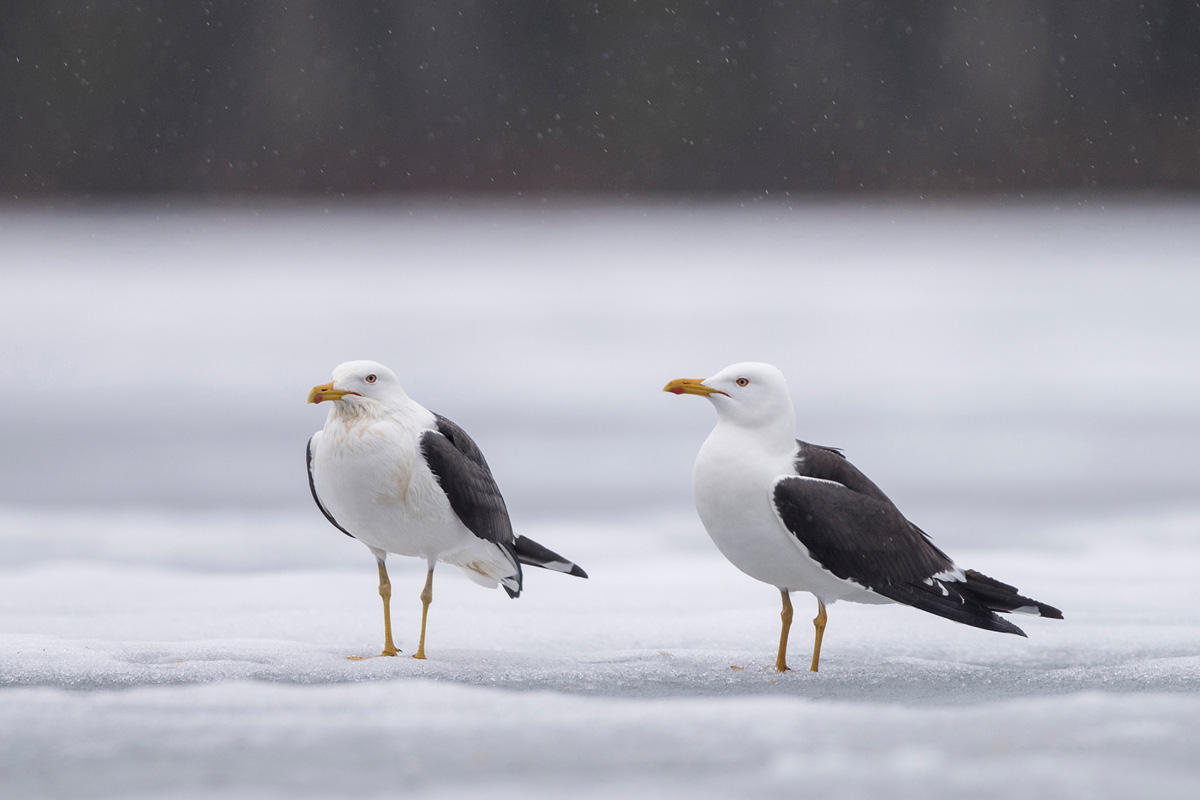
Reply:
x=175, y=616
x=139, y=677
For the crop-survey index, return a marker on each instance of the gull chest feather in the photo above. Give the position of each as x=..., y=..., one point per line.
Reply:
x=406, y=513
x=733, y=480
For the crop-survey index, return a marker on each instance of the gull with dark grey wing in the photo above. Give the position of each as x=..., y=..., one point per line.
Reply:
x=802, y=518
x=401, y=479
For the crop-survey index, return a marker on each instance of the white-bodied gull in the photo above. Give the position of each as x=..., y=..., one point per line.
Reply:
x=802, y=518
x=401, y=479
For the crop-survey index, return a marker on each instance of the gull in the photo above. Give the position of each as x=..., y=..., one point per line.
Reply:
x=401, y=479
x=802, y=518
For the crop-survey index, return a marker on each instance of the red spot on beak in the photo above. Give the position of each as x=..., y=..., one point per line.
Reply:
x=318, y=399
x=676, y=390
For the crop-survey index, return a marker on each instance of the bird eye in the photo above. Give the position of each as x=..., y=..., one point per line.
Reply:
x=371, y=378
x=742, y=381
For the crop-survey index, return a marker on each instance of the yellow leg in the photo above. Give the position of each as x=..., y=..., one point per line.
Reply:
x=426, y=599
x=786, y=616
x=819, y=622
x=385, y=591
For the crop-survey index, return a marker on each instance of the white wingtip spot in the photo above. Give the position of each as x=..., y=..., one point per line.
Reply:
x=559, y=566
x=953, y=574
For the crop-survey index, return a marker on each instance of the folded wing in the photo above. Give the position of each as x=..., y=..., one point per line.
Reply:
x=853, y=530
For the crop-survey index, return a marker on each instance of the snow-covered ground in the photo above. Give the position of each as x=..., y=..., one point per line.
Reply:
x=174, y=616
x=134, y=676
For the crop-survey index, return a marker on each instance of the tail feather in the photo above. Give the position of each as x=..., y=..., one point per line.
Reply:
x=972, y=601
x=945, y=600
x=533, y=554
x=513, y=583
x=999, y=596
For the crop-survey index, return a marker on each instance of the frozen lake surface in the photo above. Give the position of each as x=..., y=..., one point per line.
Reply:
x=175, y=616
x=653, y=678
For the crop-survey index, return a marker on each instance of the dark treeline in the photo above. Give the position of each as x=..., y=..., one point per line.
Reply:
x=332, y=96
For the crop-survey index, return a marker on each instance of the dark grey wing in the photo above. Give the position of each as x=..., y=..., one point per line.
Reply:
x=853, y=530
x=312, y=487
x=463, y=474
x=855, y=536
x=815, y=461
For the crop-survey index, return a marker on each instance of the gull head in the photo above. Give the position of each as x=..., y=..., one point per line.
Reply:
x=751, y=394
x=359, y=383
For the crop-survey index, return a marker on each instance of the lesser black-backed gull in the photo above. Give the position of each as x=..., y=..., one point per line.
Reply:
x=802, y=518
x=401, y=479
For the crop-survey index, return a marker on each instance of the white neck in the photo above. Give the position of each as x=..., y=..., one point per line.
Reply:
x=774, y=433
x=357, y=412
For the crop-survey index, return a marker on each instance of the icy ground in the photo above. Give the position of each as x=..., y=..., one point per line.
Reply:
x=133, y=677
x=175, y=616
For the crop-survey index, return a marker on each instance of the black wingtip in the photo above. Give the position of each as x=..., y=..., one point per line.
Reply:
x=990, y=621
x=1049, y=612
x=1003, y=597
x=946, y=599
x=532, y=554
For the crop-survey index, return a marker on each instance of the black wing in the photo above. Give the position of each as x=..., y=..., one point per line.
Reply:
x=463, y=474
x=312, y=487
x=829, y=464
x=850, y=526
x=853, y=530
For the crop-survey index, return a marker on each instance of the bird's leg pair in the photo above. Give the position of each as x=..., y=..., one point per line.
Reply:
x=385, y=592
x=786, y=616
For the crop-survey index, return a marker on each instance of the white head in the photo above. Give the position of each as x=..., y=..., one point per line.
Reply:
x=359, y=386
x=750, y=394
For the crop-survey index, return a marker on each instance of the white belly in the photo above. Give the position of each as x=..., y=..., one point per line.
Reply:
x=733, y=498
x=376, y=485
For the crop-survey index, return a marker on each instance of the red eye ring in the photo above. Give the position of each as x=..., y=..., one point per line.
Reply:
x=742, y=381
x=371, y=378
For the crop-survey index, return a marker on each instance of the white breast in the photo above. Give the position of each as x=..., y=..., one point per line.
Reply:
x=371, y=477
x=734, y=479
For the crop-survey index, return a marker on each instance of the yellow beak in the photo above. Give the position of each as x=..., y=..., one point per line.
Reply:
x=326, y=392
x=690, y=386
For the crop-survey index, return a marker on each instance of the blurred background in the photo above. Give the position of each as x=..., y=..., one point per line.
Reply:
x=967, y=233
x=623, y=97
